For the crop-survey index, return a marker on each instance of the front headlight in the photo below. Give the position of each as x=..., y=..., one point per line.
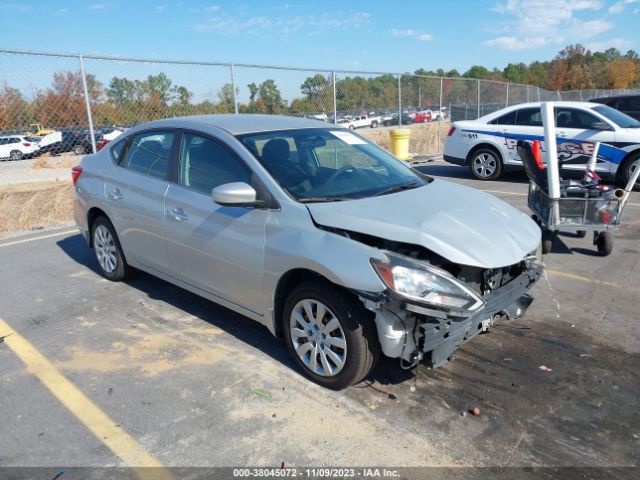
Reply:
x=422, y=282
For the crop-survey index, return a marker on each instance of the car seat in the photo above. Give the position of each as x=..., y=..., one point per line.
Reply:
x=276, y=156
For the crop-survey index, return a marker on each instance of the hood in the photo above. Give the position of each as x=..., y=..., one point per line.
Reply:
x=463, y=225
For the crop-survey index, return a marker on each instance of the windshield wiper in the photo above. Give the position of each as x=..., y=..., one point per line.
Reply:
x=323, y=199
x=398, y=188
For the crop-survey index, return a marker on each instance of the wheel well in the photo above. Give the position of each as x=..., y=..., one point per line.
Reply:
x=286, y=283
x=93, y=213
x=488, y=146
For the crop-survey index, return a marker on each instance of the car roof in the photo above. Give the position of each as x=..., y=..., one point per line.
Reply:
x=237, y=124
x=497, y=113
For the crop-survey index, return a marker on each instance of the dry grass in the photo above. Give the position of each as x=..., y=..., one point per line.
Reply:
x=423, y=139
x=63, y=161
x=29, y=206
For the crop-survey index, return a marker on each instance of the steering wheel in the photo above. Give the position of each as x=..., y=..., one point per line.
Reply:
x=339, y=172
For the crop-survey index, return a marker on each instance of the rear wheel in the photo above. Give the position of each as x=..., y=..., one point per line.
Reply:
x=16, y=155
x=108, y=251
x=352, y=127
x=486, y=164
x=79, y=150
x=329, y=334
x=374, y=124
x=581, y=233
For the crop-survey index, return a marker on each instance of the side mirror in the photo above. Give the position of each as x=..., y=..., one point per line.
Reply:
x=234, y=194
x=600, y=126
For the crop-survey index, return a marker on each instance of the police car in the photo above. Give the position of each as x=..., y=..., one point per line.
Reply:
x=488, y=145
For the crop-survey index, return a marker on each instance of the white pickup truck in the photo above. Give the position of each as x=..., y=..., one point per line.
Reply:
x=360, y=121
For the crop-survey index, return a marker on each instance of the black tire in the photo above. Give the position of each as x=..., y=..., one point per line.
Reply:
x=628, y=170
x=362, y=345
x=374, y=124
x=79, y=150
x=352, y=127
x=485, y=164
x=581, y=233
x=604, y=244
x=16, y=155
x=548, y=237
x=122, y=270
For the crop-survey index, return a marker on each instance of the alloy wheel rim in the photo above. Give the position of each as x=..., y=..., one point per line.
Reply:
x=484, y=165
x=105, y=248
x=318, y=338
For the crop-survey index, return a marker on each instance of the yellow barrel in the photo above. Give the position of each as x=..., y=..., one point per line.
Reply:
x=400, y=143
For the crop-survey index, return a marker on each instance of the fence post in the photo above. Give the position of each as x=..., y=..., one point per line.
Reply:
x=440, y=115
x=233, y=88
x=538, y=93
x=506, y=103
x=400, y=100
x=527, y=93
x=478, y=99
x=335, y=104
x=88, y=105
x=580, y=95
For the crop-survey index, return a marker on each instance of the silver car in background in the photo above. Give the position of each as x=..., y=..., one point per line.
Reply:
x=312, y=230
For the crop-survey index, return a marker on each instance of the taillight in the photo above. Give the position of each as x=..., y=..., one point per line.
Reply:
x=26, y=144
x=75, y=174
x=451, y=131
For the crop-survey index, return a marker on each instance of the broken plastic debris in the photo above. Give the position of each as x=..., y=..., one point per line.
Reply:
x=260, y=393
x=412, y=388
x=544, y=368
x=476, y=411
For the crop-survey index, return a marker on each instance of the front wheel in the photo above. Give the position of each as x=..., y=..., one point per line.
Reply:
x=548, y=236
x=16, y=155
x=329, y=334
x=79, y=150
x=374, y=124
x=486, y=164
x=604, y=244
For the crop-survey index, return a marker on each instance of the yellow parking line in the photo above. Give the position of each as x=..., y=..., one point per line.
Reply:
x=580, y=278
x=103, y=427
x=41, y=237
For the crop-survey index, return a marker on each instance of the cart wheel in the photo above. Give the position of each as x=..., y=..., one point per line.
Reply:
x=604, y=243
x=581, y=233
x=548, y=237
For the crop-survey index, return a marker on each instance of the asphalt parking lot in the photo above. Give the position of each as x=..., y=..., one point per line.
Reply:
x=95, y=373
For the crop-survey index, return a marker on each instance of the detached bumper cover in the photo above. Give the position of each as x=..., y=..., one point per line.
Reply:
x=443, y=336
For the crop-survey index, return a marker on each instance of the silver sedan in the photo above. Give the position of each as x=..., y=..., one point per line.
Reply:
x=336, y=246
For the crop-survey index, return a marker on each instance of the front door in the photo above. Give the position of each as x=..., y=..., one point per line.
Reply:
x=214, y=248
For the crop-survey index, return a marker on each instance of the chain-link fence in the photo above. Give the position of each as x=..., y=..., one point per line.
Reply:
x=56, y=103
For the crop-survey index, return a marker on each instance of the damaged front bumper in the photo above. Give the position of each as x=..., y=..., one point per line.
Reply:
x=411, y=331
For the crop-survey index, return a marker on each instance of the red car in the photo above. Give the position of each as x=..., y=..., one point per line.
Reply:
x=422, y=117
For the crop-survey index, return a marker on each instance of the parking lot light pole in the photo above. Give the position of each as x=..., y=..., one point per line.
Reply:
x=233, y=88
x=92, y=134
x=440, y=115
x=400, y=100
x=335, y=105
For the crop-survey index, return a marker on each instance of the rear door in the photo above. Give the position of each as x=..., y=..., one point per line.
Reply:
x=135, y=190
x=217, y=249
x=520, y=124
x=577, y=139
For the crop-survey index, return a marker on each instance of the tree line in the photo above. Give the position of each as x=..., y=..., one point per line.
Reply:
x=124, y=101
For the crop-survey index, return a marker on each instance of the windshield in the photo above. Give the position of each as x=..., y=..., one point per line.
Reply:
x=621, y=119
x=330, y=165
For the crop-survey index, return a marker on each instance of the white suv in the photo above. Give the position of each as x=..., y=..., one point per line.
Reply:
x=17, y=147
x=488, y=145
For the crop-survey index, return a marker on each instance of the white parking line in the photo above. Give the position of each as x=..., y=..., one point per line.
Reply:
x=41, y=237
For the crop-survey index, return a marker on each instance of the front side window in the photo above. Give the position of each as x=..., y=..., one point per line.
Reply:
x=149, y=154
x=329, y=165
x=206, y=164
x=574, y=118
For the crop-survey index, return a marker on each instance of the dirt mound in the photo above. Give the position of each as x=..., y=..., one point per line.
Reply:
x=30, y=206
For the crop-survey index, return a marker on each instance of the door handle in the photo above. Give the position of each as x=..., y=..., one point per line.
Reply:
x=178, y=214
x=115, y=194
x=562, y=134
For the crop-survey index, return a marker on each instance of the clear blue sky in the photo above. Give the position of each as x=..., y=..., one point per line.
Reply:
x=369, y=35
x=379, y=35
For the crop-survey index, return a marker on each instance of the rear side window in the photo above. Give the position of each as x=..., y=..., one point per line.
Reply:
x=206, y=164
x=529, y=117
x=506, y=119
x=149, y=153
